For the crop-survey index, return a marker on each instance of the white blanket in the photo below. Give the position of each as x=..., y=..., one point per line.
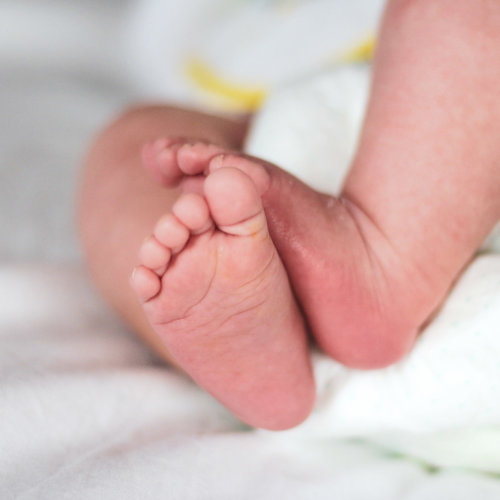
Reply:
x=441, y=402
x=87, y=412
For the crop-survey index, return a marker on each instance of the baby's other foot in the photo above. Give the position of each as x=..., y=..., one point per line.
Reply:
x=174, y=161
x=214, y=289
x=169, y=160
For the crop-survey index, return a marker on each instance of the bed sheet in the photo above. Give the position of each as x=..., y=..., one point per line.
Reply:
x=86, y=412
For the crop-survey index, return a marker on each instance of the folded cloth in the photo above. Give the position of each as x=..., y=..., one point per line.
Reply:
x=441, y=402
x=226, y=54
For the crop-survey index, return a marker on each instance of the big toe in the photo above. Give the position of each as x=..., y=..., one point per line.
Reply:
x=234, y=202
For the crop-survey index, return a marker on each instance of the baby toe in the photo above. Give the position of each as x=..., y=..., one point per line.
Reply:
x=145, y=283
x=193, y=158
x=160, y=159
x=154, y=255
x=171, y=232
x=256, y=169
x=235, y=203
x=192, y=210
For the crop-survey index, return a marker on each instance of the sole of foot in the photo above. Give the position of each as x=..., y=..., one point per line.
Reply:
x=214, y=289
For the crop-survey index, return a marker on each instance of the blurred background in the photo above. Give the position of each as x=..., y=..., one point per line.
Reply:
x=66, y=68
x=60, y=80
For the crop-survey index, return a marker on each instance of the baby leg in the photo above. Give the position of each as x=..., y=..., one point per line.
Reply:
x=346, y=277
x=119, y=204
x=371, y=267
x=223, y=310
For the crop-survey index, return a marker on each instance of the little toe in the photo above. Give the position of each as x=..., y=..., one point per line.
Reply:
x=235, y=203
x=171, y=232
x=193, y=158
x=154, y=255
x=192, y=210
x=145, y=283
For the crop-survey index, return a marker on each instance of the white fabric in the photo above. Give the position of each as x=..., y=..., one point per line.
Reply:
x=86, y=412
x=441, y=402
x=259, y=43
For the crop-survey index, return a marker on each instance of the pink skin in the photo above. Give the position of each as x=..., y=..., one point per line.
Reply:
x=364, y=304
x=215, y=291
x=369, y=268
x=342, y=286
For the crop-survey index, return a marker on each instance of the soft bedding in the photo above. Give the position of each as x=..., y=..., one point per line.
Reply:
x=86, y=411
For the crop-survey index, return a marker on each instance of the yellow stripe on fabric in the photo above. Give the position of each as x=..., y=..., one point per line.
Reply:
x=237, y=97
x=362, y=52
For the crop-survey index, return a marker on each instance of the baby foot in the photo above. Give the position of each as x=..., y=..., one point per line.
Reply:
x=169, y=160
x=364, y=306
x=215, y=291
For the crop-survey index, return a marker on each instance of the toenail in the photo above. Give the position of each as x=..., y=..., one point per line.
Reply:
x=216, y=162
x=132, y=276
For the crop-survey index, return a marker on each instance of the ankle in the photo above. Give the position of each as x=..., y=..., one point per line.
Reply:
x=405, y=296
